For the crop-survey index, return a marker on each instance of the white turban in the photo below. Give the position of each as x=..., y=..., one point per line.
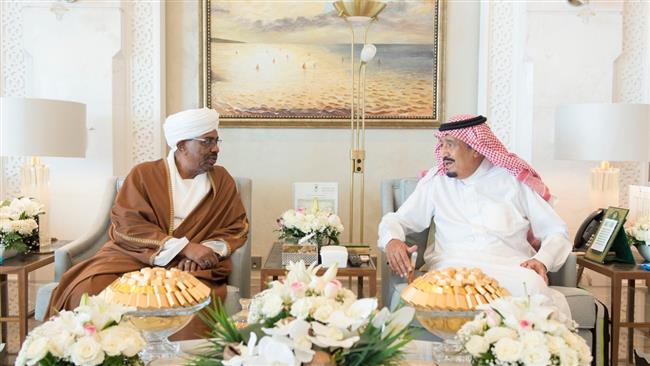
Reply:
x=189, y=124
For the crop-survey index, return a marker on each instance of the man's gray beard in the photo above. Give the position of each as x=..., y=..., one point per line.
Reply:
x=452, y=174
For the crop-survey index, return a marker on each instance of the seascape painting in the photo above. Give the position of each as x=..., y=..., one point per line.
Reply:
x=281, y=63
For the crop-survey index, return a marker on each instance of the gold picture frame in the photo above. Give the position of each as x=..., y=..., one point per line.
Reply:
x=398, y=97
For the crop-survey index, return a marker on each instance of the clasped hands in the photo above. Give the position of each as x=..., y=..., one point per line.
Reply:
x=398, y=254
x=196, y=256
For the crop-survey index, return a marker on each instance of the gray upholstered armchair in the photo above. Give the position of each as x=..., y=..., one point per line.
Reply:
x=84, y=247
x=395, y=191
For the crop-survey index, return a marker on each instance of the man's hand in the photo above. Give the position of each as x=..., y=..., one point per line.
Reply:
x=398, y=254
x=188, y=265
x=202, y=255
x=536, y=266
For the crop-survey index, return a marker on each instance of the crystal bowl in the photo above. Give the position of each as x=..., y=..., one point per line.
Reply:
x=158, y=324
x=445, y=324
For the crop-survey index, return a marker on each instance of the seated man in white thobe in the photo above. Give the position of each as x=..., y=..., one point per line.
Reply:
x=483, y=200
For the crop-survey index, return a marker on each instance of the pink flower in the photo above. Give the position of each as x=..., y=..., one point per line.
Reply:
x=296, y=286
x=90, y=329
x=524, y=323
x=493, y=319
x=337, y=283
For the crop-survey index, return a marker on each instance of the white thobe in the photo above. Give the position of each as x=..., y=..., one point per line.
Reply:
x=482, y=221
x=186, y=195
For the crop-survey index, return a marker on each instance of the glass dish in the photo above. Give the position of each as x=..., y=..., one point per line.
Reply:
x=158, y=324
x=445, y=325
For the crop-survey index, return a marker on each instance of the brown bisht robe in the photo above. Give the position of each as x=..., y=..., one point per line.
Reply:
x=142, y=219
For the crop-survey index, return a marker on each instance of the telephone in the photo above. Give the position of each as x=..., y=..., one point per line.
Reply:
x=587, y=231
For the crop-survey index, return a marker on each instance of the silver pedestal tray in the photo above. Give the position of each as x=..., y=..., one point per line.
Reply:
x=158, y=324
x=445, y=324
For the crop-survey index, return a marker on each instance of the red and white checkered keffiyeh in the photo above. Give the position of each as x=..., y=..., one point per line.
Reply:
x=482, y=139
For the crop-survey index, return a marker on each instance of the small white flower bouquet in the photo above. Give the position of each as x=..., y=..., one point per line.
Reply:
x=19, y=224
x=523, y=331
x=639, y=231
x=309, y=227
x=307, y=318
x=92, y=334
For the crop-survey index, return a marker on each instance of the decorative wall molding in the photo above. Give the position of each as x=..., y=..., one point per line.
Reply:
x=12, y=82
x=502, y=60
x=631, y=82
x=146, y=79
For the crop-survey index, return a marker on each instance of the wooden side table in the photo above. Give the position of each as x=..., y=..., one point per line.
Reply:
x=617, y=273
x=273, y=268
x=20, y=265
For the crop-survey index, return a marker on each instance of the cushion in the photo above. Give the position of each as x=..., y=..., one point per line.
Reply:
x=582, y=305
x=43, y=300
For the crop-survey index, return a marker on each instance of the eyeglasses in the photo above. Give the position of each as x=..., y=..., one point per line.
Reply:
x=208, y=142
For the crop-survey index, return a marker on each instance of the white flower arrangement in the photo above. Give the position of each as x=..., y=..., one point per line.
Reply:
x=301, y=226
x=639, y=231
x=523, y=331
x=91, y=334
x=18, y=223
x=309, y=316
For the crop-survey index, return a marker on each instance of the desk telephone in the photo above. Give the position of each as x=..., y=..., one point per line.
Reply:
x=587, y=231
x=602, y=236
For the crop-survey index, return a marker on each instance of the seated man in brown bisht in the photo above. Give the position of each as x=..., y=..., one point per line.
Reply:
x=183, y=211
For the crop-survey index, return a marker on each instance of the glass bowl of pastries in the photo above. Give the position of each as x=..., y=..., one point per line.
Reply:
x=445, y=300
x=166, y=300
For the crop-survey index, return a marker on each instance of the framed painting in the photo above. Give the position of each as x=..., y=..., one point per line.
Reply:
x=287, y=63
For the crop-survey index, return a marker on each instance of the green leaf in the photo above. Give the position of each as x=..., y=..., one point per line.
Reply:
x=222, y=331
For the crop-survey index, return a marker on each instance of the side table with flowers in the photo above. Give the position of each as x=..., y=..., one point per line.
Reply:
x=638, y=234
x=523, y=331
x=91, y=334
x=305, y=232
x=19, y=226
x=311, y=320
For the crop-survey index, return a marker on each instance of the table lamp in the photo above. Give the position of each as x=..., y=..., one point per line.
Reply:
x=603, y=132
x=35, y=128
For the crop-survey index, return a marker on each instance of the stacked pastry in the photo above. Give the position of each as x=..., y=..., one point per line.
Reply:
x=452, y=289
x=157, y=288
x=455, y=289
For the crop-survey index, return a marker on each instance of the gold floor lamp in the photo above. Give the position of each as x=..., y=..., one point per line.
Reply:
x=359, y=15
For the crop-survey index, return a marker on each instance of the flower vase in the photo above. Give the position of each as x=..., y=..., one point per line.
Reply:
x=644, y=250
x=307, y=253
x=6, y=254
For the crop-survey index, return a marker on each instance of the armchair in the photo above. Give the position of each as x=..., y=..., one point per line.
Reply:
x=583, y=305
x=87, y=245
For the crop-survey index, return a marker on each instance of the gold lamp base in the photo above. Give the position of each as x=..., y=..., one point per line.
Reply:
x=36, y=184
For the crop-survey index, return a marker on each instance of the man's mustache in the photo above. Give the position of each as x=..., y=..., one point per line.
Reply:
x=448, y=160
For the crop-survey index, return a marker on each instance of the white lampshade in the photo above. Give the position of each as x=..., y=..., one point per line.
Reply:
x=603, y=131
x=42, y=127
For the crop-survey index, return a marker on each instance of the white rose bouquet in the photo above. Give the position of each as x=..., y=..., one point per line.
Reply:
x=92, y=334
x=523, y=331
x=639, y=231
x=306, y=318
x=18, y=224
x=316, y=226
